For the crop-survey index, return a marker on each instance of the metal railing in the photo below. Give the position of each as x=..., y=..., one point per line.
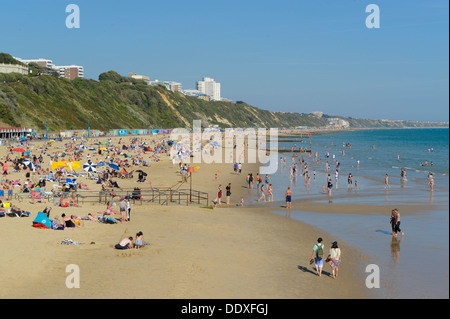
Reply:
x=162, y=196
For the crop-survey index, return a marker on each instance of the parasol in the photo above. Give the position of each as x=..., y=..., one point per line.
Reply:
x=114, y=166
x=90, y=167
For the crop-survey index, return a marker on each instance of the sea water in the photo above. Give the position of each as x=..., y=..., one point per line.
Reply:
x=413, y=267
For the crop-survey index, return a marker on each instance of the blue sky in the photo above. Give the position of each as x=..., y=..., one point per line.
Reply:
x=284, y=55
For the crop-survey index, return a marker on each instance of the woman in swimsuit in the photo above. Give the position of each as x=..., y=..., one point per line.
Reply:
x=262, y=193
x=68, y=222
x=269, y=193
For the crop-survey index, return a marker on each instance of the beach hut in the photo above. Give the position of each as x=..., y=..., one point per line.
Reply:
x=42, y=221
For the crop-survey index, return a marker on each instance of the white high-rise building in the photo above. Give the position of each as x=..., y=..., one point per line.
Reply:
x=209, y=87
x=45, y=63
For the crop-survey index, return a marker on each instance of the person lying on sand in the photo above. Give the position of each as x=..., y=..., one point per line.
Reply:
x=64, y=202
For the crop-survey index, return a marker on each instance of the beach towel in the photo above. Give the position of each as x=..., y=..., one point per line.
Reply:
x=68, y=241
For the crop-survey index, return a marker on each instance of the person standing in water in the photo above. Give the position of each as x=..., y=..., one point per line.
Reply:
x=288, y=198
x=263, y=194
x=397, y=223
x=431, y=181
x=386, y=182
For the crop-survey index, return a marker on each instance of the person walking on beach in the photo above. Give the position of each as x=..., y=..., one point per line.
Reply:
x=288, y=198
x=5, y=168
x=397, y=223
x=317, y=256
x=270, y=193
x=334, y=259
x=386, y=182
x=127, y=199
x=123, y=208
x=392, y=221
x=219, y=194
x=349, y=181
x=263, y=195
x=228, y=190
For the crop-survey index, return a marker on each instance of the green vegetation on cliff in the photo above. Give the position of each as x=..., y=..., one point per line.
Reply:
x=31, y=101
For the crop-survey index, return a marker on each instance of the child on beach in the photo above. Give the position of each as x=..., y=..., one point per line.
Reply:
x=138, y=241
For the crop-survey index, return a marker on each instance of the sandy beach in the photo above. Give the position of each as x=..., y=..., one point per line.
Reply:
x=194, y=252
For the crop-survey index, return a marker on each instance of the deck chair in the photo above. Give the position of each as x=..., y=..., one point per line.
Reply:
x=13, y=213
x=72, y=182
x=91, y=175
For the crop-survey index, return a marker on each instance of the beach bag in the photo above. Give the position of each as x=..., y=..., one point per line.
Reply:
x=319, y=251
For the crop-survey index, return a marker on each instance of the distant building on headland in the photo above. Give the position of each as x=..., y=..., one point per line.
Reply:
x=13, y=68
x=170, y=85
x=338, y=122
x=70, y=72
x=209, y=87
x=43, y=63
x=64, y=71
x=144, y=78
x=195, y=93
x=317, y=114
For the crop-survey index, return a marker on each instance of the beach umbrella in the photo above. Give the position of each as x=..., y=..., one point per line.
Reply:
x=101, y=164
x=29, y=164
x=90, y=167
x=19, y=150
x=83, y=147
x=114, y=166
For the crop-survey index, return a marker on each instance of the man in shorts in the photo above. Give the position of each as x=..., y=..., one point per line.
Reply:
x=289, y=198
x=317, y=256
x=123, y=208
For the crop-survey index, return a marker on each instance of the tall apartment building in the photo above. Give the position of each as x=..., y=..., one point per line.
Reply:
x=70, y=71
x=209, y=87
